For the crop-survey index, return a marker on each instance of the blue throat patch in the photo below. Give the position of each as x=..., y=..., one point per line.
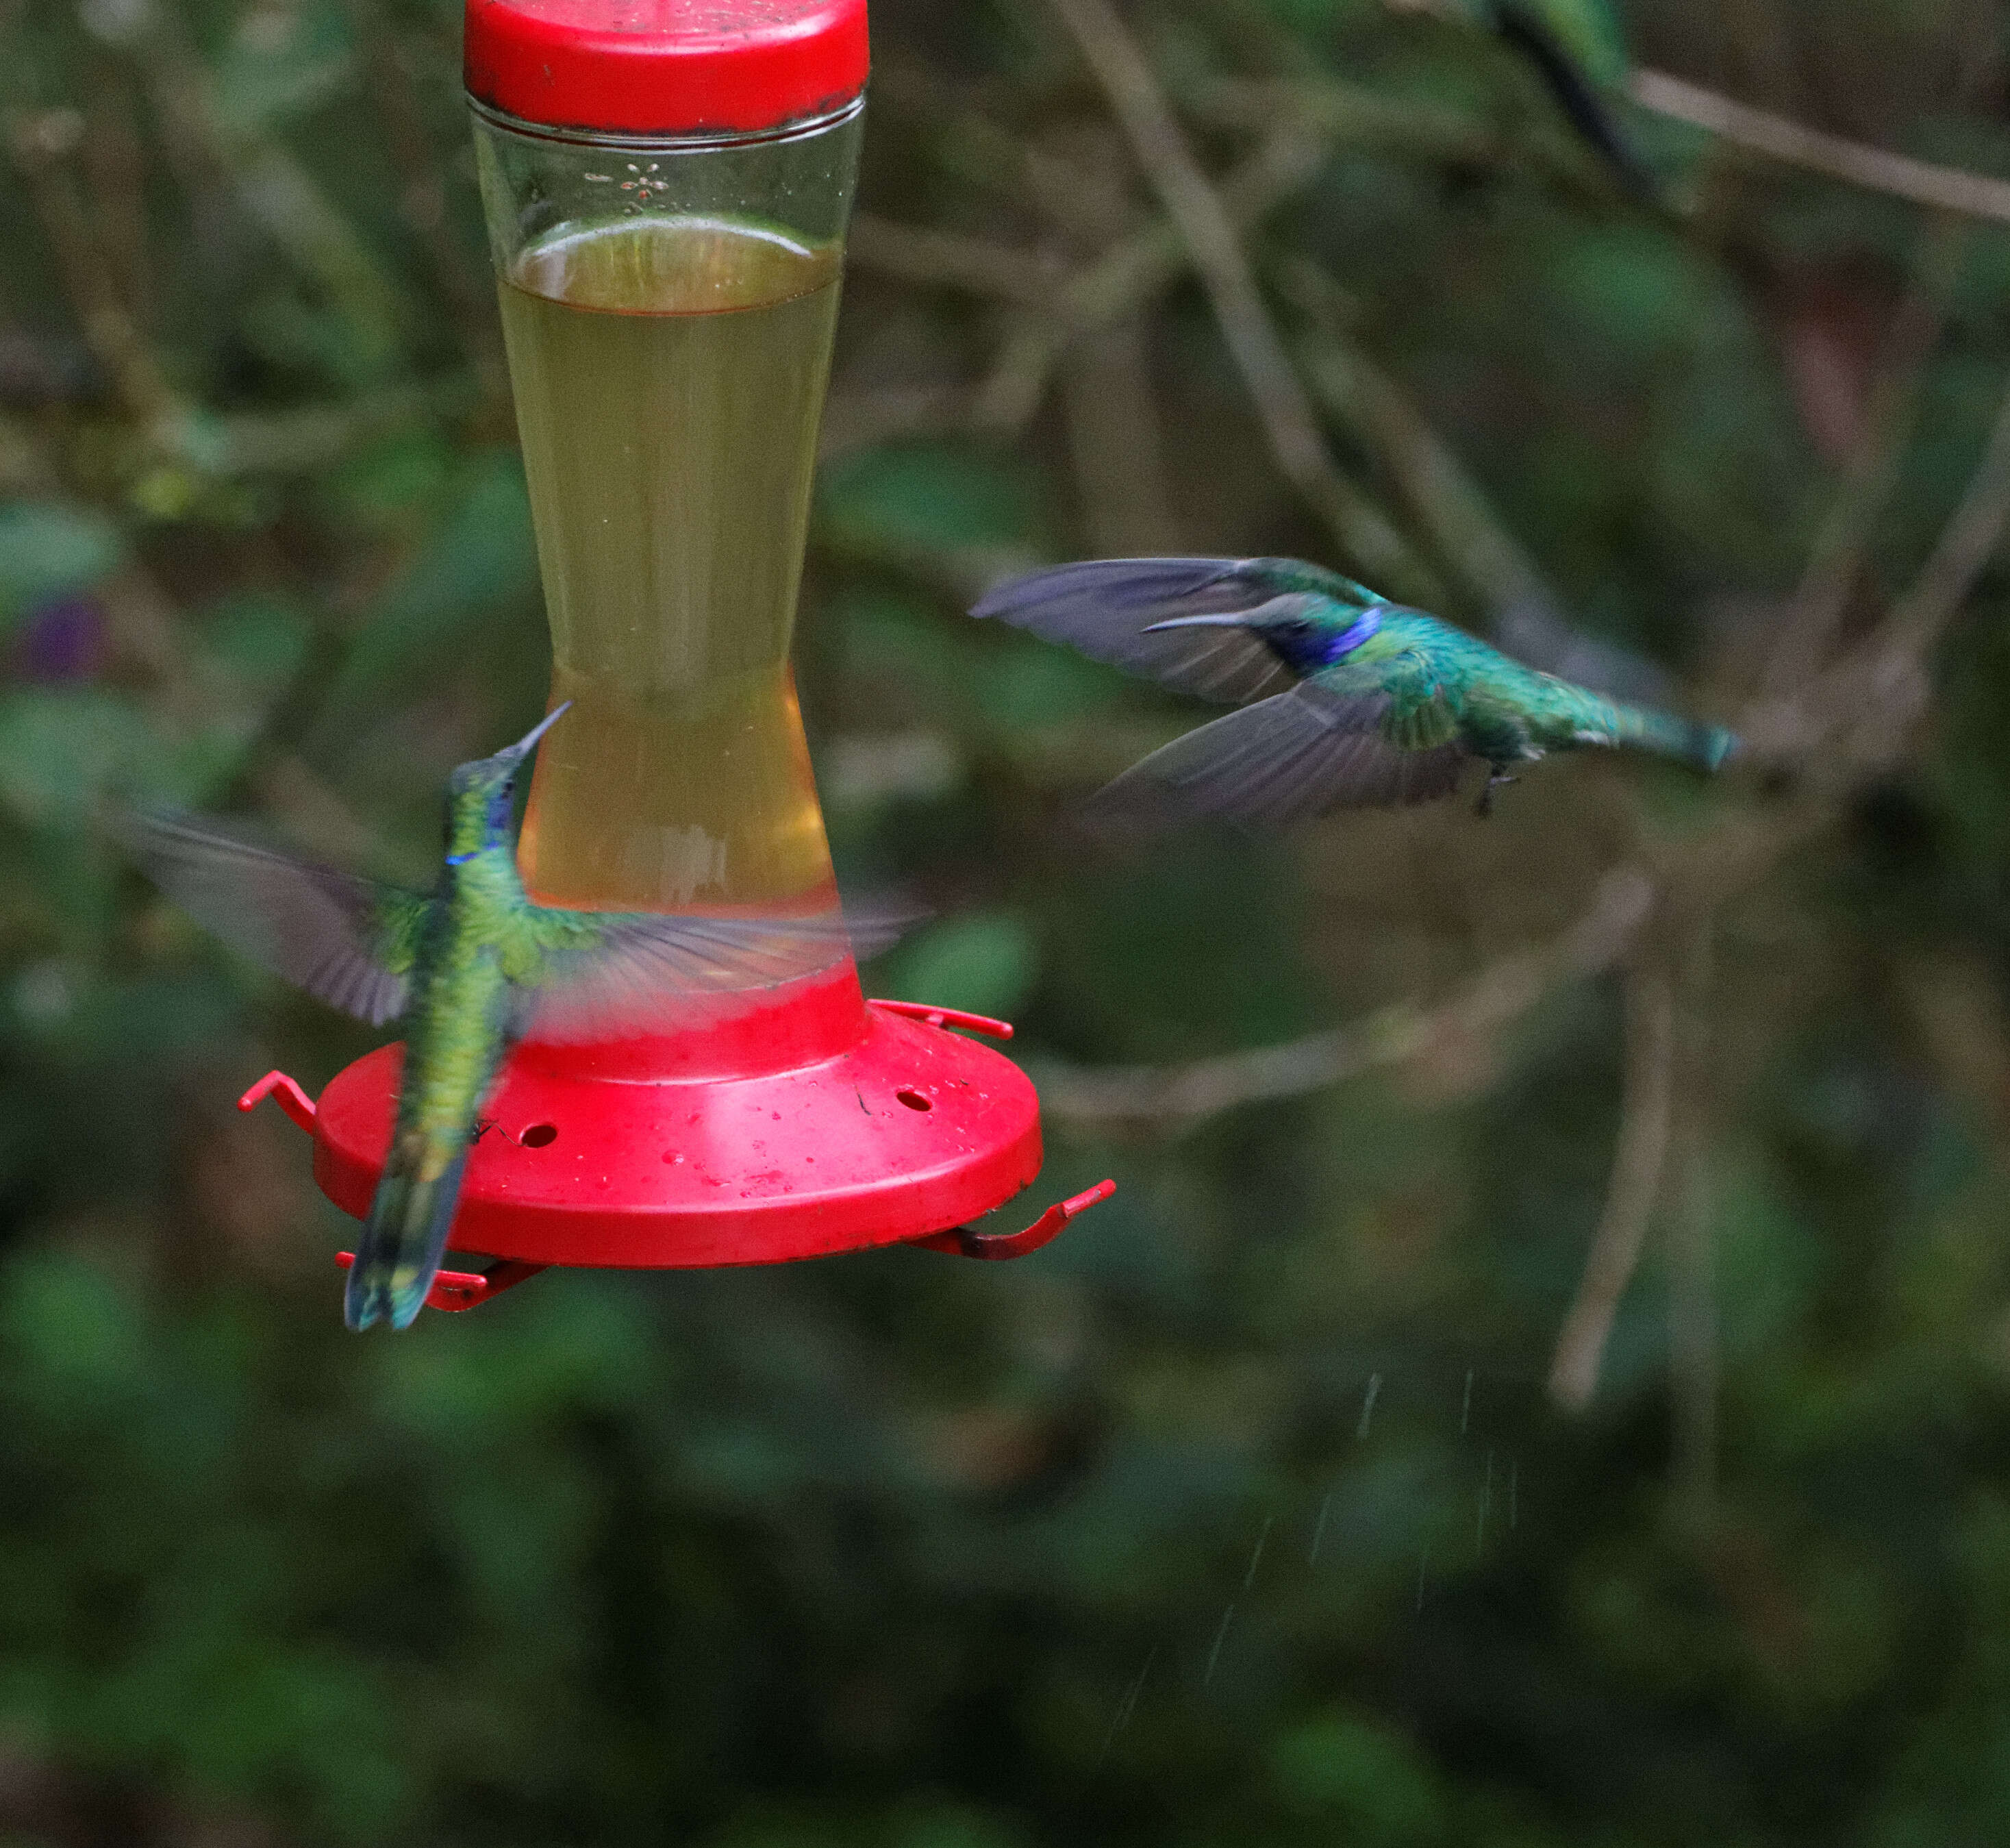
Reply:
x=1366, y=625
x=1308, y=647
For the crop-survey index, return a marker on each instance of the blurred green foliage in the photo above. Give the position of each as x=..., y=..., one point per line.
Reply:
x=1239, y=1515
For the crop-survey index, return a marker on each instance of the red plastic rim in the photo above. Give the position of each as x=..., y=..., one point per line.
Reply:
x=877, y=1129
x=669, y=67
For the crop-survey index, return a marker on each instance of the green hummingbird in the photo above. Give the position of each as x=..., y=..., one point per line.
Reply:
x=476, y=965
x=1348, y=700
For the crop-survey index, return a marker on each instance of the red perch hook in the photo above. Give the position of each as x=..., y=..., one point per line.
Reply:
x=962, y=1242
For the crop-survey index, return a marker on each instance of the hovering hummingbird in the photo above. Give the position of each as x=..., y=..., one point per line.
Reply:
x=1357, y=701
x=477, y=966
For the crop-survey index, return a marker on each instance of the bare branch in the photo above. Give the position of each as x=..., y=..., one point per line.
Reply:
x=855, y=419
x=1105, y=293
x=1861, y=708
x=310, y=436
x=41, y=143
x=1951, y=189
x=1451, y=505
x=1871, y=699
x=1637, y=1163
x=1132, y=272
x=1816, y=615
x=942, y=259
x=1692, y=1343
x=466, y=287
x=1128, y=277
x=1499, y=993
x=1967, y=544
x=271, y=187
x=1110, y=408
x=1373, y=545
x=1407, y=127
x=114, y=161
x=1116, y=446
x=1362, y=118
x=1013, y=390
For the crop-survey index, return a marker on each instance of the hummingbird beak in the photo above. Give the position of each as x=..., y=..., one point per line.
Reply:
x=1197, y=622
x=528, y=743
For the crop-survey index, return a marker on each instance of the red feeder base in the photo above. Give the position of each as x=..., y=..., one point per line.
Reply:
x=813, y=1123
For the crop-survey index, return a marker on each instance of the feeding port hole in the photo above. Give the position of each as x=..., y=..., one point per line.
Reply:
x=914, y=1100
x=539, y=1135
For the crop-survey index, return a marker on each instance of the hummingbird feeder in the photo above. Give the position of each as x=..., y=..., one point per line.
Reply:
x=666, y=184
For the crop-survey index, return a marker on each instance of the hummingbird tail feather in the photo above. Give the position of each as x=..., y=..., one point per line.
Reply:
x=402, y=1242
x=1705, y=746
x=1711, y=746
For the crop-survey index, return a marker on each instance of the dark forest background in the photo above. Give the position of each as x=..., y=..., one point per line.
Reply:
x=1345, y=1480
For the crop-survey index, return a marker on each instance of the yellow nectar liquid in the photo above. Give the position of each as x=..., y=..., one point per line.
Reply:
x=669, y=374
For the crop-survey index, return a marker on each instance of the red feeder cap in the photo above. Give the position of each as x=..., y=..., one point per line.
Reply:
x=670, y=67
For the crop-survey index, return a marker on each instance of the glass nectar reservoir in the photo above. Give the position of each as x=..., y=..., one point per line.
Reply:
x=667, y=227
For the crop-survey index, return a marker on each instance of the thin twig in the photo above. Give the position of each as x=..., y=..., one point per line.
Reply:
x=41, y=142
x=270, y=186
x=1013, y=390
x=1499, y=993
x=466, y=287
x=1145, y=264
x=1115, y=444
x=1965, y=545
x=1951, y=189
x=1193, y=204
x=855, y=419
x=945, y=259
x=1362, y=119
x=310, y=436
x=1366, y=122
x=114, y=173
x=1693, y=1348
x=1816, y=615
x=1449, y=503
x=1115, y=436
x=1874, y=696
x=293, y=441
x=1637, y=1163
x=1134, y=272
x=1864, y=703
x=1106, y=293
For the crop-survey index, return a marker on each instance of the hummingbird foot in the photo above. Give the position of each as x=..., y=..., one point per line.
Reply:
x=1495, y=776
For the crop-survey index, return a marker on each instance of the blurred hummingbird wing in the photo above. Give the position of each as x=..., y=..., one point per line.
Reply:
x=348, y=941
x=1102, y=607
x=1278, y=762
x=590, y=976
